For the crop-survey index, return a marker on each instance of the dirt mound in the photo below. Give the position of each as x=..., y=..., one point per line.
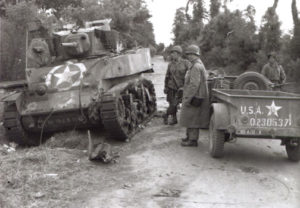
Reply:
x=71, y=140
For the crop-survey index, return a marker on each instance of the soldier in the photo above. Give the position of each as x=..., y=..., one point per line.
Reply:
x=195, y=102
x=273, y=71
x=174, y=82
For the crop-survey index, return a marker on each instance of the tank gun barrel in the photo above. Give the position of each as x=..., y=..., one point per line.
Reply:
x=72, y=44
x=103, y=24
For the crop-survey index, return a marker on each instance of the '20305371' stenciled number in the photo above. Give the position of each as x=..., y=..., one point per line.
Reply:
x=271, y=122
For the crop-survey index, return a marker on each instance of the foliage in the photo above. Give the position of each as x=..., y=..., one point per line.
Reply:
x=57, y=5
x=129, y=17
x=270, y=30
x=180, y=27
x=196, y=23
x=230, y=39
x=295, y=42
x=214, y=7
x=13, y=40
x=160, y=48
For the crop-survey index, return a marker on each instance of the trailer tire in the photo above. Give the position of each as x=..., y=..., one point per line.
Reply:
x=252, y=81
x=293, y=152
x=216, y=139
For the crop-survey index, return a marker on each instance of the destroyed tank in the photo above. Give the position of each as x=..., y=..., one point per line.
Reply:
x=80, y=78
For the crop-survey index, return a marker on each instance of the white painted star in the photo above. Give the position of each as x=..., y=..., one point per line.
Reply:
x=65, y=76
x=273, y=109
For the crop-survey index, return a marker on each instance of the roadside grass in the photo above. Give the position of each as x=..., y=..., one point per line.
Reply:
x=43, y=177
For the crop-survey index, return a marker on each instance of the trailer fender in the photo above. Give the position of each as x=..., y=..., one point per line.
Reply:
x=221, y=113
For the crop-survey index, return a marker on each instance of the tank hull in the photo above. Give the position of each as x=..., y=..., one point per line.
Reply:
x=99, y=92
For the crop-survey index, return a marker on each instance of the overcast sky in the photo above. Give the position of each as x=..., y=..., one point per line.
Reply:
x=163, y=13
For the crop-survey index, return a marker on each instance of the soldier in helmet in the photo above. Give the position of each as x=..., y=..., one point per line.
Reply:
x=273, y=71
x=174, y=81
x=195, y=102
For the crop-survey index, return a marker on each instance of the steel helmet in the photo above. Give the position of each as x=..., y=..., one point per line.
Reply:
x=193, y=49
x=272, y=54
x=177, y=48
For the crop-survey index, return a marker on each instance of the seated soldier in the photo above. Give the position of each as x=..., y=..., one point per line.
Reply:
x=273, y=71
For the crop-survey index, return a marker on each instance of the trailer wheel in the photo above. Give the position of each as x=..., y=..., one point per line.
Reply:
x=293, y=152
x=216, y=139
x=252, y=81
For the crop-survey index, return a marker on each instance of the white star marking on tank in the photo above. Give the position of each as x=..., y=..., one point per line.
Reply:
x=65, y=76
x=273, y=109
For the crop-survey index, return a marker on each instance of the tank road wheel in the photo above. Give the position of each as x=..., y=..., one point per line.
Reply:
x=14, y=129
x=216, y=139
x=115, y=117
x=252, y=81
x=293, y=151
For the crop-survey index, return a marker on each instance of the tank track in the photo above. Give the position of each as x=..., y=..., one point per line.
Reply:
x=124, y=114
x=13, y=127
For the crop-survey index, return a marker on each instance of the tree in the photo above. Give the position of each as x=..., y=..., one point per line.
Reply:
x=230, y=42
x=197, y=21
x=129, y=17
x=295, y=42
x=180, y=27
x=214, y=8
x=13, y=39
x=57, y=5
x=160, y=48
x=270, y=30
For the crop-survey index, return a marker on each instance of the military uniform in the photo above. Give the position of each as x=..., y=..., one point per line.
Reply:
x=192, y=117
x=174, y=81
x=274, y=73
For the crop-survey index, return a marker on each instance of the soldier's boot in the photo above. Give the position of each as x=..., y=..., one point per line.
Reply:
x=189, y=143
x=185, y=139
x=192, y=138
x=165, y=118
x=174, y=120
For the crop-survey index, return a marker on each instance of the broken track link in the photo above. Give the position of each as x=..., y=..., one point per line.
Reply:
x=14, y=129
x=122, y=115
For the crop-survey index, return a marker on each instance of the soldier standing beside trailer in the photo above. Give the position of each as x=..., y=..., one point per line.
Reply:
x=174, y=81
x=195, y=102
x=273, y=71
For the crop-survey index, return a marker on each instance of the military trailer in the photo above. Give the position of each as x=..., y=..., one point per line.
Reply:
x=262, y=114
x=80, y=78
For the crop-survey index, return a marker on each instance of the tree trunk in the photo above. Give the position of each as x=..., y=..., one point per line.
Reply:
x=275, y=4
x=295, y=14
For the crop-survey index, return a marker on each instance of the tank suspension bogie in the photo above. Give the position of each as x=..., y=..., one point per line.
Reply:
x=123, y=114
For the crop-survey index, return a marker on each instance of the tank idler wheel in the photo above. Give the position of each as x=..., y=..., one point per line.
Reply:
x=216, y=139
x=293, y=151
x=122, y=115
x=115, y=117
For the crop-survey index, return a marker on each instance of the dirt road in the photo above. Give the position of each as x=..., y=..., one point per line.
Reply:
x=153, y=171
x=158, y=172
